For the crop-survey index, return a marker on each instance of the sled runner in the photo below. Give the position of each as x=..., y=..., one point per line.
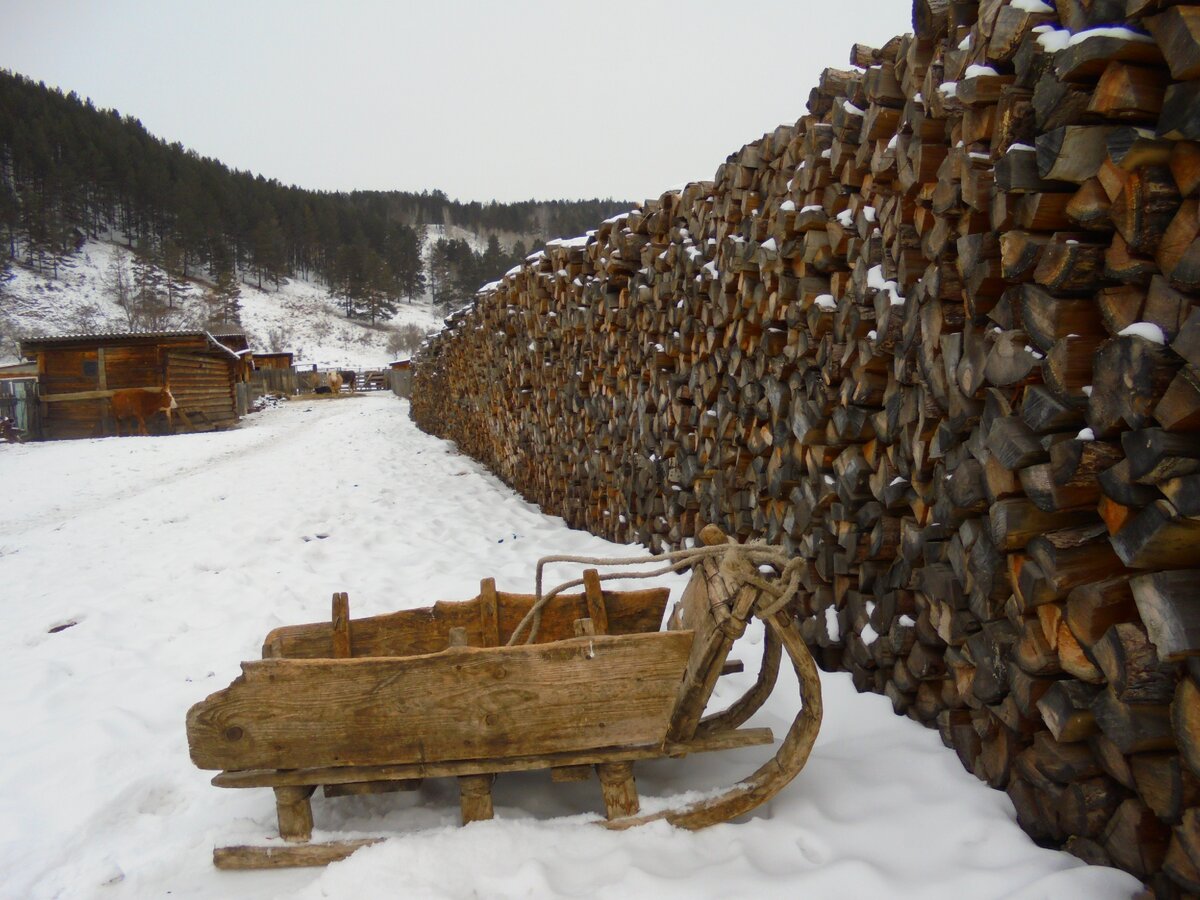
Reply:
x=508, y=683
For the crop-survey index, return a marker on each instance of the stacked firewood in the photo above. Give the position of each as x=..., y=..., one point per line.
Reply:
x=940, y=338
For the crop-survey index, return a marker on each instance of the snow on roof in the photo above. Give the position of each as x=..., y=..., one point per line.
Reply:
x=114, y=335
x=236, y=354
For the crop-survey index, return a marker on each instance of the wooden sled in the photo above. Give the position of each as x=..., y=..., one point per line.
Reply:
x=378, y=704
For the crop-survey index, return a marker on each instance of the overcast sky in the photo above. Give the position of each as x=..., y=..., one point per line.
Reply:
x=502, y=100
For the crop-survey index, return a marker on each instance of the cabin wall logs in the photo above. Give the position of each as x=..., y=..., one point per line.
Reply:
x=941, y=338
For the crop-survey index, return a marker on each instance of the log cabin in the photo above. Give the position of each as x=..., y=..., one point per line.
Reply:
x=77, y=374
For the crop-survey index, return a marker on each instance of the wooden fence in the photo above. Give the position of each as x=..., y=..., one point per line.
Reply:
x=19, y=402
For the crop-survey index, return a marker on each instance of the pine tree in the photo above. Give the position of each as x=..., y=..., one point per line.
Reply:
x=148, y=298
x=404, y=260
x=119, y=288
x=223, y=300
x=267, y=248
x=173, y=260
x=441, y=274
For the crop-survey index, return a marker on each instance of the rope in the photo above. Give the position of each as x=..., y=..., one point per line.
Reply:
x=739, y=564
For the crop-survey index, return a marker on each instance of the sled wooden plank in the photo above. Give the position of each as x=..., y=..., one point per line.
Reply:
x=363, y=788
x=287, y=856
x=413, y=632
x=328, y=775
x=464, y=703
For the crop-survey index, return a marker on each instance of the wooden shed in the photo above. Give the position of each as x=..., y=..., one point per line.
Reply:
x=77, y=374
x=400, y=377
x=272, y=360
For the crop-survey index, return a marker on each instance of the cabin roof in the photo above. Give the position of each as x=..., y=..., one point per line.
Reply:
x=232, y=342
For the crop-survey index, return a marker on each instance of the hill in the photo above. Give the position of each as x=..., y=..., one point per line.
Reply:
x=73, y=177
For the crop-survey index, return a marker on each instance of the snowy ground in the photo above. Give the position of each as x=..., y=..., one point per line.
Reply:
x=174, y=556
x=299, y=316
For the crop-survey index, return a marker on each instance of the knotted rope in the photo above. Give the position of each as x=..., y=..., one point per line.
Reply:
x=739, y=564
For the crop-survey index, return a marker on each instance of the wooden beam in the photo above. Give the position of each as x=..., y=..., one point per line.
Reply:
x=283, y=857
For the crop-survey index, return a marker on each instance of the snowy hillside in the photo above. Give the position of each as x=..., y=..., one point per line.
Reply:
x=138, y=593
x=299, y=317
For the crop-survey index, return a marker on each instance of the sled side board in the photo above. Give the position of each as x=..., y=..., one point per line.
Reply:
x=462, y=703
x=338, y=775
x=416, y=631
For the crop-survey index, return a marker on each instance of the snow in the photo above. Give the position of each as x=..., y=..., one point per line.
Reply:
x=978, y=71
x=875, y=280
x=174, y=556
x=812, y=207
x=568, y=243
x=845, y=218
x=1019, y=147
x=787, y=206
x=948, y=88
x=1085, y=434
x=1147, y=330
x=832, y=630
x=825, y=301
x=299, y=316
x=1031, y=6
x=769, y=245
x=1118, y=32
x=852, y=109
x=1052, y=39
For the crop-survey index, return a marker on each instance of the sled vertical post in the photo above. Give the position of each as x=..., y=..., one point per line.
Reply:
x=294, y=809
x=618, y=789
x=341, y=626
x=475, y=797
x=597, y=611
x=489, y=613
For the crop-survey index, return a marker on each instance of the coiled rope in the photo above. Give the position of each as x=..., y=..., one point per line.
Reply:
x=739, y=564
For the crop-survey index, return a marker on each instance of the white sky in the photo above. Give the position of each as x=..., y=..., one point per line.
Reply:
x=484, y=100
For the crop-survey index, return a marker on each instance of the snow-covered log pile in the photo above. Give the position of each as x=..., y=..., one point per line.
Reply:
x=941, y=338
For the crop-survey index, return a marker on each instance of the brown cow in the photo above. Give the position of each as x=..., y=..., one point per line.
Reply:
x=335, y=382
x=142, y=404
x=9, y=431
